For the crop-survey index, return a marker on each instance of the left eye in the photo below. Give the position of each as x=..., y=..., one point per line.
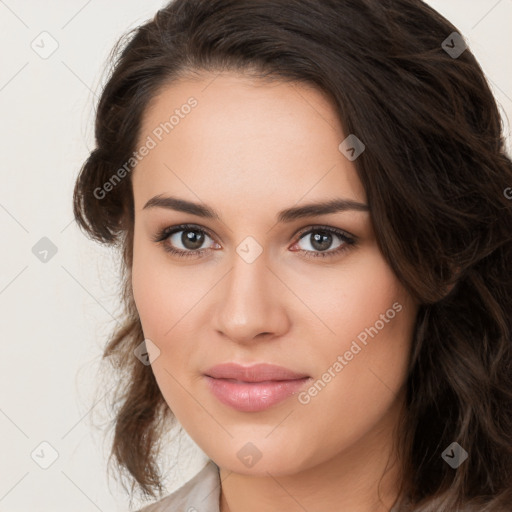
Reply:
x=321, y=240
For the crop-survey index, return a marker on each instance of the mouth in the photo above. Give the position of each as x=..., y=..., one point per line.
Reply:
x=255, y=373
x=254, y=388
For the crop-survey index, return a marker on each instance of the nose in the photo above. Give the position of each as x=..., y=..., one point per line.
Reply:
x=251, y=303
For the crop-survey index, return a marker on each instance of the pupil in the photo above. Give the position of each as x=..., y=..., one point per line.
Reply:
x=321, y=241
x=192, y=239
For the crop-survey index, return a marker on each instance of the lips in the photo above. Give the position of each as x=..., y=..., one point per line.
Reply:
x=255, y=373
x=254, y=388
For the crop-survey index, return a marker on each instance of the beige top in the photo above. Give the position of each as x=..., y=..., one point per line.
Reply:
x=200, y=494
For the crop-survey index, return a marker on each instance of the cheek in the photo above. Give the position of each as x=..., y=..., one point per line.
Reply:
x=373, y=319
x=356, y=295
x=166, y=304
x=361, y=373
x=152, y=295
x=159, y=311
x=160, y=294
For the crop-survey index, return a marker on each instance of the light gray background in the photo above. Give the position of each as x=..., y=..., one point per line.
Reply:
x=55, y=315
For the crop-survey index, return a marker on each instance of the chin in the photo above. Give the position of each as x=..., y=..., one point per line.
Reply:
x=259, y=458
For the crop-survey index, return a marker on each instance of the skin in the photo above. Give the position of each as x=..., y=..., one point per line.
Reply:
x=249, y=150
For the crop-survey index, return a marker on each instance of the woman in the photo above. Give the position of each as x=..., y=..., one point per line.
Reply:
x=310, y=199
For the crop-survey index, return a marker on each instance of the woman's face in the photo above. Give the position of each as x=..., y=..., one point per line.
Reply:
x=307, y=291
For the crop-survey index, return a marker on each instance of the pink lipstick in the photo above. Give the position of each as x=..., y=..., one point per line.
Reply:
x=253, y=388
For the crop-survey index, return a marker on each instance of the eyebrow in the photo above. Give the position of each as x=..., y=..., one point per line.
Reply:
x=286, y=215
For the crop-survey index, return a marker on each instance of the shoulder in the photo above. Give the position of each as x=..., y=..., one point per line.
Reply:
x=201, y=493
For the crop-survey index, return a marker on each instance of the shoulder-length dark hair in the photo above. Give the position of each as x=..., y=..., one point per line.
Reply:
x=437, y=179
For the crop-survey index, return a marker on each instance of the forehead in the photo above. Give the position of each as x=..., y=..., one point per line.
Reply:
x=229, y=135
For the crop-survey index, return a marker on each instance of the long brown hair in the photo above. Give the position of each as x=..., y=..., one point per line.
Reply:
x=435, y=173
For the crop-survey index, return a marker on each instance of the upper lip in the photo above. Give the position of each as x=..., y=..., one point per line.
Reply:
x=255, y=373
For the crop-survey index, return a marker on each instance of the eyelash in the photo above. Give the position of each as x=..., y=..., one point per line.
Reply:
x=166, y=232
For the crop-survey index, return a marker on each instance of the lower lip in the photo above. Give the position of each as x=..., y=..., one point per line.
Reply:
x=253, y=396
